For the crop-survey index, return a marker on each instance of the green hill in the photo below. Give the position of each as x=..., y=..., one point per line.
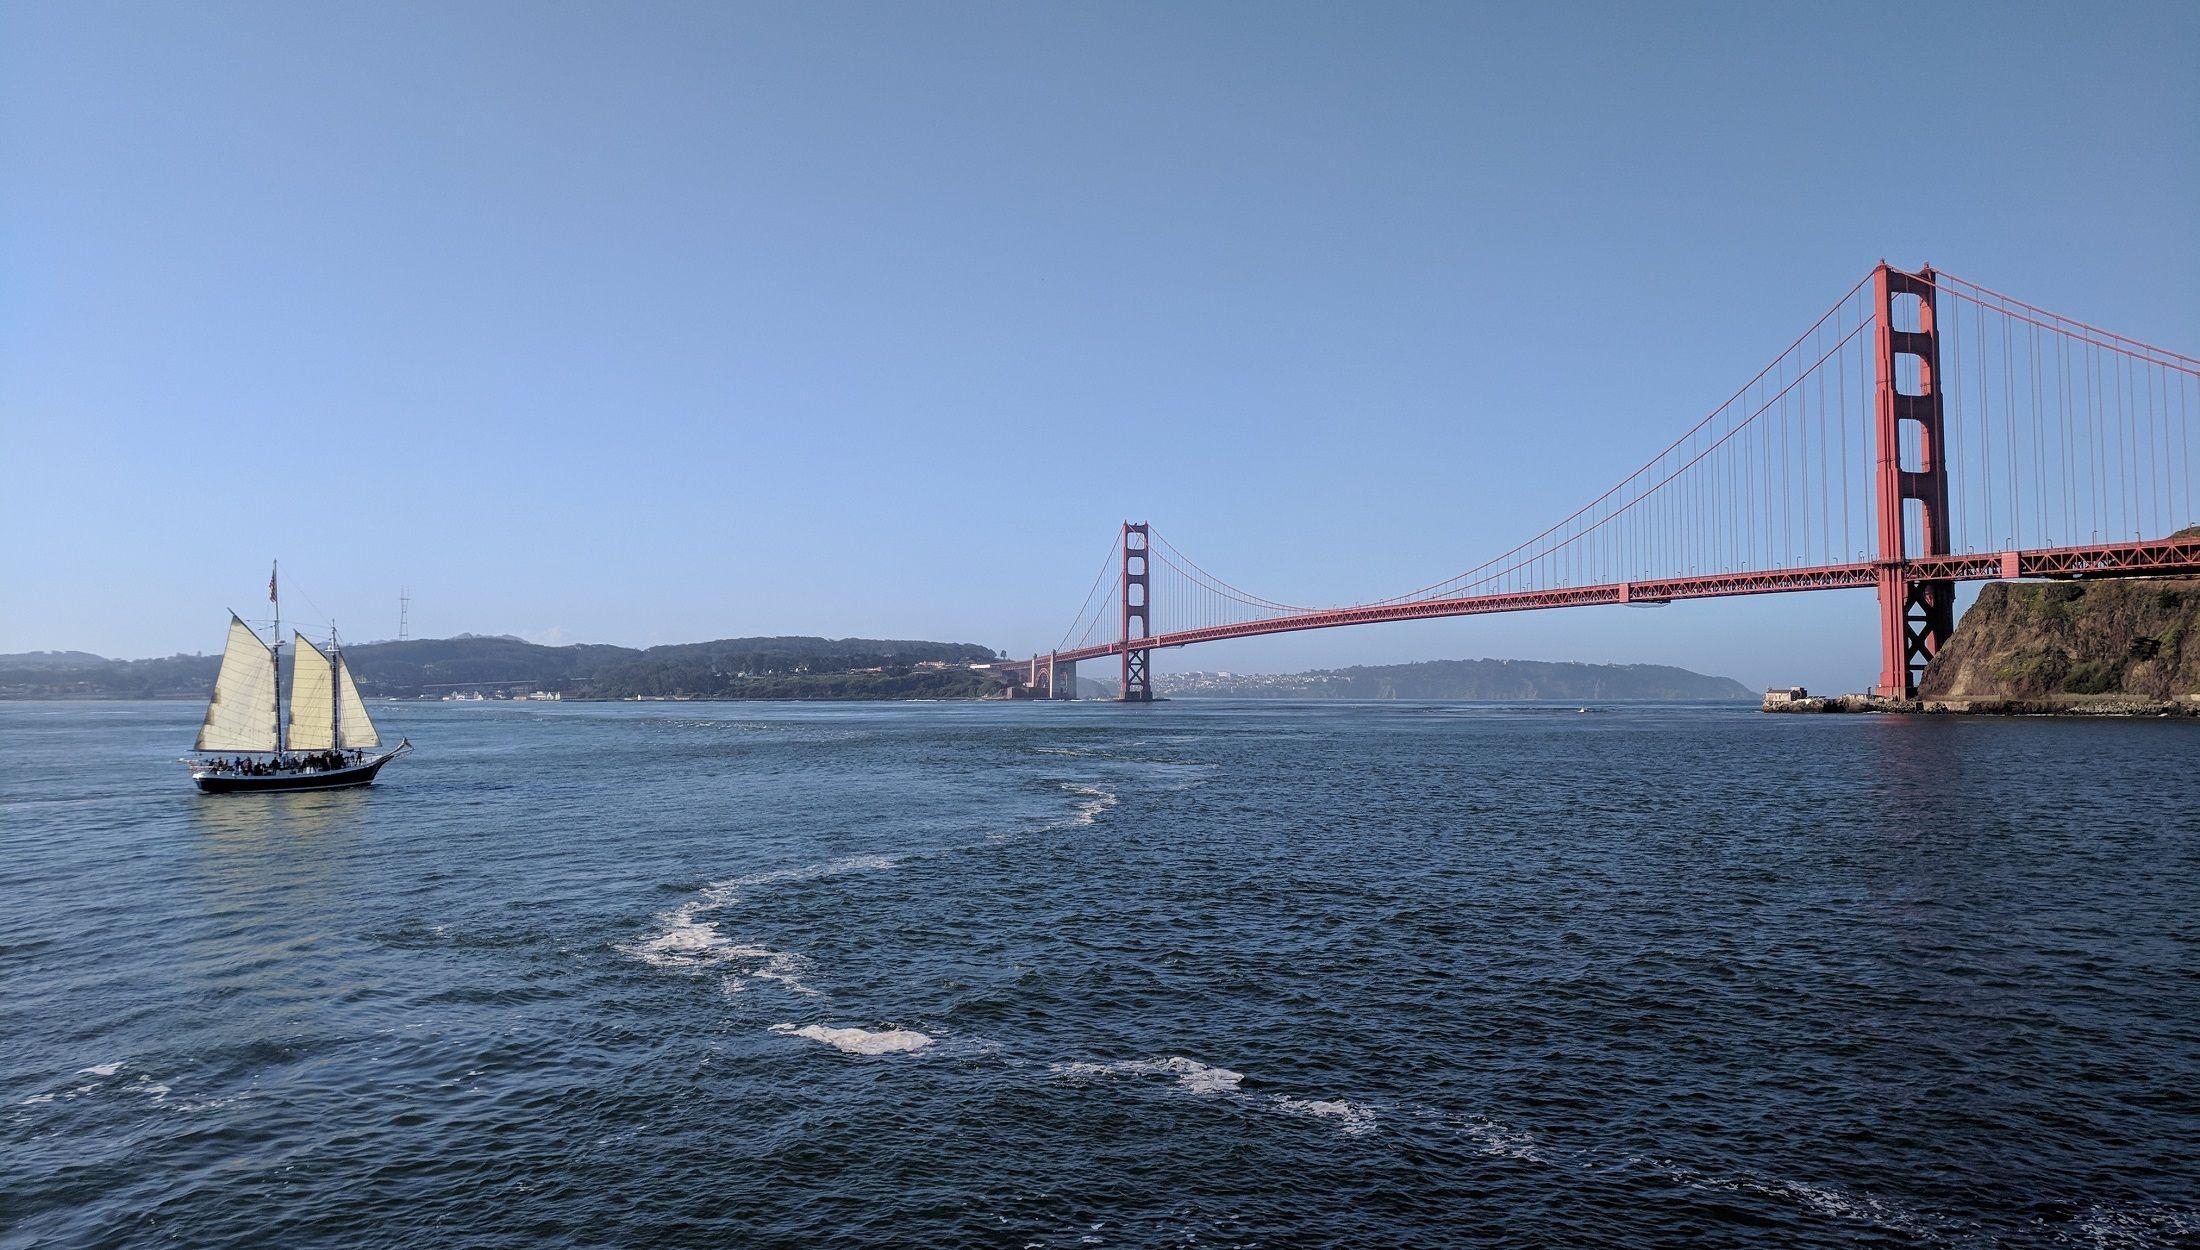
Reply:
x=2074, y=643
x=735, y=668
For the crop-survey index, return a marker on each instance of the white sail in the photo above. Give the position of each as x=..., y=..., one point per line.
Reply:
x=241, y=716
x=355, y=729
x=312, y=697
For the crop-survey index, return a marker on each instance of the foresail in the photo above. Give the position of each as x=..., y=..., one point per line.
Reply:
x=357, y=729
x=312, y=697
x=241, y=716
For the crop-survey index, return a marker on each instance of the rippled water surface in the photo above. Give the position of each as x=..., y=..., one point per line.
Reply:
x=1197, y=973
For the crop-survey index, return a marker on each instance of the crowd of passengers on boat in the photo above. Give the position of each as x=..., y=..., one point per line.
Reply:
x=322, y=760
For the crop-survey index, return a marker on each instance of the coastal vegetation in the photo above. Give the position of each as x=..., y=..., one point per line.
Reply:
x=729, y=668
x=2074, y=642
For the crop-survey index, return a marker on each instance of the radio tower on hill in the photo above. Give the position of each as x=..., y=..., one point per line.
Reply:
x=404, y=611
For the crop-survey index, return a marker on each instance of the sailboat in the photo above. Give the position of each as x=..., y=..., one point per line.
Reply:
x=326, y=742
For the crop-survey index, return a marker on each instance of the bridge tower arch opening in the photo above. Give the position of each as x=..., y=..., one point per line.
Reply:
x=1916, y=615
x=1137, y=671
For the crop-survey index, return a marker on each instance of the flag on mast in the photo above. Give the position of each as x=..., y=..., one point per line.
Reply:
x=271, y=583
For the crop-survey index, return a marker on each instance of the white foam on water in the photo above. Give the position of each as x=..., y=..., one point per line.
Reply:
x=1192, y=1076
x=719, y=893
x=1503, y=1141
x=1200, y=1078
x=856, y=1041
x=1830, y=1201
x=1208, y=1080
x=781, y=968
x=689, y=941
x=1354, y=1119
x=1093, y=800
x=144, y=1084
x=1838, y=1203
x=2133, y=1228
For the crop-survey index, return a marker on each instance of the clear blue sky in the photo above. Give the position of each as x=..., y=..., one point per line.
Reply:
x=645, y=323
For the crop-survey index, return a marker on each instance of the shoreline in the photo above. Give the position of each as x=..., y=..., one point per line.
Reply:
x=2102, y=707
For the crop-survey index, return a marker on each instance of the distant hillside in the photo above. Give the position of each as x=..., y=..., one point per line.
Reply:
x=39, y=660
x=768, y=668
x=1462, y=679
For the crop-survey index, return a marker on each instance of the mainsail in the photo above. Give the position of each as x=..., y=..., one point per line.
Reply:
x=312, y=697
x=353, y=727
x=241, y=716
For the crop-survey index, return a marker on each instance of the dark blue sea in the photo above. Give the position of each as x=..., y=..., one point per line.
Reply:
x=1201, y=973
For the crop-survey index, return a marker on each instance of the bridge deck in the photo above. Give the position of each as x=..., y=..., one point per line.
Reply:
x=2154, y=558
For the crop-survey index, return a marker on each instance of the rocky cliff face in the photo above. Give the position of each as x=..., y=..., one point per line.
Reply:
x=2072, y=642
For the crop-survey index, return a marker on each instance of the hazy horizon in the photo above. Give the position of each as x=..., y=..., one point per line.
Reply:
x=1099, y=669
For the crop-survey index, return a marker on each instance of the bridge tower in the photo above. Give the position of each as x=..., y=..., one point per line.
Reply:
x=1916, y=615
x=1061, y=677
x=1137, y=615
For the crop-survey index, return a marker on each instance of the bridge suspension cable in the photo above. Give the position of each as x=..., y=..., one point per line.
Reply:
x=1081, y=632
x=1715, y=429
x=1924, y=428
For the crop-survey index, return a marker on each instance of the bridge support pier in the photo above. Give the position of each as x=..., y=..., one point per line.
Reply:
x=1916, y=615
x=1061, y=678
x=1137, y=673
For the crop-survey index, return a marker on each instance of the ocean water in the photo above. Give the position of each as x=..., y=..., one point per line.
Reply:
x=1085, y=975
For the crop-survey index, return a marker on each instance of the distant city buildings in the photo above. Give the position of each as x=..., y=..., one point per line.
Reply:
x=1225, y=685
x=476, y=696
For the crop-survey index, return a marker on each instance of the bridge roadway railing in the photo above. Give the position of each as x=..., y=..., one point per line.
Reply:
x=2139, y=558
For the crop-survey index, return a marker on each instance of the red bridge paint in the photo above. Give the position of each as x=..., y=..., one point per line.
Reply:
x=2112, y=443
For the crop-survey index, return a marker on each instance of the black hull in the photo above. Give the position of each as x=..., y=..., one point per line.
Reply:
x=330, y=779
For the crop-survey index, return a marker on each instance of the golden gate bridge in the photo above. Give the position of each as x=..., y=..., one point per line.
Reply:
x=1925, y=430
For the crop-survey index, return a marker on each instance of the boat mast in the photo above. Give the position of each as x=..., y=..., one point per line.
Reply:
x=275, y=653
x=336, y=690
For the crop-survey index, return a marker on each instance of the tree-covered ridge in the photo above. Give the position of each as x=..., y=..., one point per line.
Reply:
x=778, y=667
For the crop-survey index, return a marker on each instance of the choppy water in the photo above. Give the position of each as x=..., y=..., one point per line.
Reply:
x=1219, y=974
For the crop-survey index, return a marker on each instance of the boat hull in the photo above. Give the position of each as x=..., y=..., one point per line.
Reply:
x=318, y=779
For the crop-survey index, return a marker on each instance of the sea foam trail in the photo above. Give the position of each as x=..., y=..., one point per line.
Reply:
x=1092, y=800
x=1208, y=1080
x=1823, y=1200
x=1351, y=1117
x=1192, y=1076
x=1489, y=1137
x=858, y=1041
x=144, y=1085
x=2132, y=1228
x=690, y=940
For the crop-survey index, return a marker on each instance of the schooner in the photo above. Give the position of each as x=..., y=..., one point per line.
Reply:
x=326, y=741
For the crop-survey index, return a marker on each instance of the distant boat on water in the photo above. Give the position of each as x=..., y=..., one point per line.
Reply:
x=327, y=742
